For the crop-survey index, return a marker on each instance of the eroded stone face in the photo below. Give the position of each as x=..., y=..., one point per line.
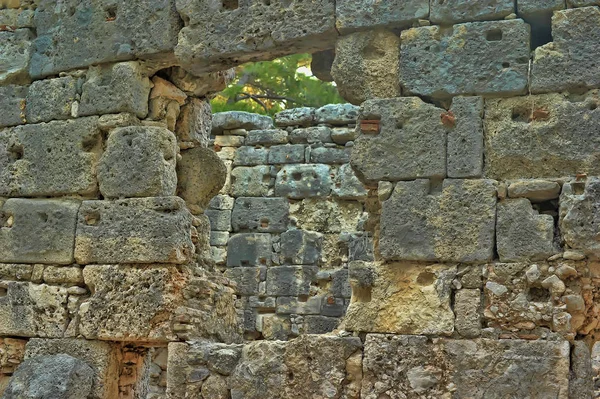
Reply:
x=353, y=15
x=15, y=50
x=579, y=215
x=453, y=11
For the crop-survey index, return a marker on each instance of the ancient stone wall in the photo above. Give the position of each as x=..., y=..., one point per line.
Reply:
x=475, y=143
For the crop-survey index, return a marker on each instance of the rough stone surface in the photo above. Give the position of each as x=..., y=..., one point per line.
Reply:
x=15, y=51
x=289, y=153
x=263, y=215
x=485, y=58
x=194, y=123
x=467, y=306
x=311, y=135
x=453, y=11
x=12, y=104
x=142, y=230
x=301, y=116
x=534, y=190
x=251, y=181
x=363, y=14
x=239, y=120
x=578, y=216
x=249, y=250
x=346, y=185
x=299, y=247
x=139, y=161
x=51, y=99
x=302, y=181
x=465, y=138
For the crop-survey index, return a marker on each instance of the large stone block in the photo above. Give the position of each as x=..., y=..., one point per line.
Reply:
x=542, y=136
x=414, y=367
x=352, y=15
x=37, y=231
x=251, y=181
x=219, y=35
x=50, y=99
x=299, y=247
x=111, y=89
x=247, y=279
x=141, y=230
x=452, y=11
x=407, y=127
x=565, y=63
x=50, y=159
x=347, y=186
x=15, y=50
x=465, y=138
x=290, y=280
x=401, y=298
x=194, y=123
x=486, y=58
x=303, y=181
x=539, y=10
x=579, y=219
x=522, y=233
x=367, y=65
x=231, y=120
x=139, y=161
x=76, y=35
x=263, y=215
x=249, y=250
x=456, y=225
x=12, y=105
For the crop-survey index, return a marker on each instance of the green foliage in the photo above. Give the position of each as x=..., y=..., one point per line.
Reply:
x=271, y=86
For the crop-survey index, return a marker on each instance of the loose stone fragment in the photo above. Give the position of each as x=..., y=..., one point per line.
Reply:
x=465, y=137
x=303, y=181
x=50, y=99
x=366, y=66
x=352, y=15
x=534, y=190
x=140, y=230
x=139, y=161
x=12, y=105
x=251, y=181
x=484, y=58
x=301, y=116
x=263, y=215
x=194, y=123
x=249, y=250
x=337, y=114
x=579, y=219
x=452, y=11
x=467, y=306
x=15, y=51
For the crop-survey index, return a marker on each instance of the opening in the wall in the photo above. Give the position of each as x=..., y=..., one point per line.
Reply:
x=231, y=5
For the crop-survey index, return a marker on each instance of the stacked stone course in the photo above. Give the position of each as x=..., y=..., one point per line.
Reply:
x=144, y=242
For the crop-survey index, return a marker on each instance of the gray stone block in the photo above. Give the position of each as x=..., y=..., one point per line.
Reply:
x=251, y=181
x=101, y=31
x=301, y=116
x=50, y=99
x=221, y=202
x=37, y=231
x=319, y=324
x=320, y=65
x=532, y=9
x=194, y=122
x=311, y=135
x=269, y=137
x=337, y=114
x=113, y=231
x=15, y=51
x=452, y=11
x=467, y=306
x=246, y=278
x=330, y=155
x=581, y=382
x=283, y=154
x=465, y=138
x=333, y=307
x=582, y=3
x=219, y=35
x=111, y=89
x=219, y=238
x=299, y=247
x=456, y=225
x=249, y=250
x=52, y=376
x=339, y=286
x=12, y=105
x=139, y=161
x=579, y=220
x=219, y=220
x=50, y=159
x=303, y=181
x=564, y=63
x=292, y=305
x=347, y=186
x=290, y=280
x=263, y=215
x=342, y=135
x=408, y=126
x=360, y=247
x=522, y=233
x=542, y=136
x=231, y=120
x=484, y=58
x=250, y=156
x=364, y=14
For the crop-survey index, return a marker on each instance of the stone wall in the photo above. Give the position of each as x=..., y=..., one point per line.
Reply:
x=475, y=143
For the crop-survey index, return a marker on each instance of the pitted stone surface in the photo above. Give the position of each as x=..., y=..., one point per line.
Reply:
x=12, y=105
x=263, y=215
x=15, y=51
x=465, y=138
x=194, y=123
x=249, y=250
x=579, y=224
x=239, y=120
x=51, y=99
x=251, y=181
x=453, y=11
x=302, y=181
x=140, y=230
x=299, y=247
x=352, y=15
x=485, y=58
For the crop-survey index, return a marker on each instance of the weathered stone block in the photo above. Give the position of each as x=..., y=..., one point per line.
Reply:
x=263, y=215
x=542, y=136
x=465, y=138
x=239, y=120
x=251, y=156
x=579, y=220
x=222, y=202
x=12, y=105
x=408, y=126
x=481, y=368
x=200, y=176
x=522, y=233
x=63, y=275
x=276, y=29
x=203, y=85
x=453, y=11
x=13, y=351
x=486, y=58
x=269, y=136
x=50, y=159
x=467, y=306
x=251, y=181
x=401, y=298
x=329, y=155
x=139, y=161
x=291, y=305
x=15, y=50
x=247, y=279
x=303, y=181
x=195, y=122
x=347, y=186
x=363, y=14
x=290, y=280
x=299, y=247
x=457, y=225
x=534, y=190
x=320, y=65
x=342, y=135
x=141, y=230
x=102, y=357
x=219, y=220
x=219, y=238
x=366, y=66
x=337, y=114
x=311, y=135
x=249, y=250
x=582, y=3
x=115, y=88
x=100, y=31
x=564, y=63
x=50, y=99
x=537, y=9
x=283, y=154
x=319, y=324
x=327, y=216
x=301, y=116
x=37, y=231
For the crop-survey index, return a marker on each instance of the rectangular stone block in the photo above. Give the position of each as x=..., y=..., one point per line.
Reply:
x=347, y=186
x=290, y=280
x=292, y=305
x=194, y=122
x=50, y=159
x=353, y=15
x=12, y=105
x=219, y=220
x=538, y=9
x=249, y=250
x=303, y=181
x=15, y=51
x=276, y=29
x=219, y=238
x=465, y=138
x=483, y=58
x=408, y=126
x=247, y=279
x=474, y=369
x=37, y=231
x=454, y=225
x=311, y=135
x=299, y=247
x=251, y=181
x=283, y=154
x=141, y=230
x=329, y=155
x=467, y=306
x=319, y=324
x=401, y=298
x=542, y=136
x=101, y=31
x=579, y=220
x=271, y=136
x=250, y=156
x=301, y=116
x=263, y=215
x=50, y=99
x=452, y=11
